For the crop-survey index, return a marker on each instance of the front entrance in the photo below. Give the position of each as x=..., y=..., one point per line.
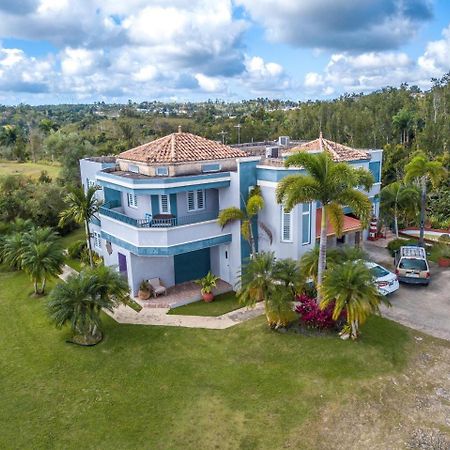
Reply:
x=192, y=265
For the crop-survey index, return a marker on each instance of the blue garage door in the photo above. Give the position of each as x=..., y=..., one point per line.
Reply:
x=192, y=265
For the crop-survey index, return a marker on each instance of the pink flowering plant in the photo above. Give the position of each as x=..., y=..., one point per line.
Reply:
x=312, y=316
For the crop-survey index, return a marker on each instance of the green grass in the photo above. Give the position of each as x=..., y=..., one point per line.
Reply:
x=74, y=236
x=29, y=169
x=177, y=388
x=222, y=304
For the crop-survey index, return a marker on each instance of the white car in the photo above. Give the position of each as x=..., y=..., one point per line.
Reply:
x=386, y=282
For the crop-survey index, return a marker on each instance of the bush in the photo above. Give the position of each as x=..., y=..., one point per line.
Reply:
x=395, y=244
x=312, y=316
x=76, y=249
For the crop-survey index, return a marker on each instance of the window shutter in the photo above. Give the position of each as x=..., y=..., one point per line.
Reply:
x=286, y=227
x=191, y=203
x=200, y=199
x=164, y=203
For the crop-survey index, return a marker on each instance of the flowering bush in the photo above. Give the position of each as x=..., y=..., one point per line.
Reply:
x=312, y=316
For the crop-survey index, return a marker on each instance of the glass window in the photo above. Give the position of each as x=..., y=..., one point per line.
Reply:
x=211, y=168
x=286, y=225
x=164, y=205
x=133, y=168
x=196, y=200
x=97, y=240
x=306, y=223
x=162, y=171
x=375, y=168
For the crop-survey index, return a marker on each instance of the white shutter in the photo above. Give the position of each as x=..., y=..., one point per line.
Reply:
x=164, y=204
x=200, y=199
x=132, y=200
x=191, y=201
x=286, y=225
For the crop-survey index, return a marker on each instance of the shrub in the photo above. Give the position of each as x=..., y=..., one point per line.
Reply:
x=312, y=316
x=76, y=249
x=395, y=244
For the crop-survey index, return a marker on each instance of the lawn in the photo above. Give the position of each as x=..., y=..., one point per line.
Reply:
x=29, y=169
x=69, y=239
x=175, y=388
x=222, y=304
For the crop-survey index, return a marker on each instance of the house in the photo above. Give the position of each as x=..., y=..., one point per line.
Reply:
x=161, y=201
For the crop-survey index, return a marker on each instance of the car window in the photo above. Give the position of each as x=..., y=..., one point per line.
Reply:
x=378, y=272
x=413, y=264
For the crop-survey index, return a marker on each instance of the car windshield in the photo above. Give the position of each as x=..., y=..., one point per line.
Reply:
x=378, y=272
x=413, y=264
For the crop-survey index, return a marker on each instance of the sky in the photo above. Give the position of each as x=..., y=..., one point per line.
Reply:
x=82, y=51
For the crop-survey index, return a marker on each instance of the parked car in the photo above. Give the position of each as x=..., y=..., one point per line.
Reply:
x=411, y=265
x=386, y=282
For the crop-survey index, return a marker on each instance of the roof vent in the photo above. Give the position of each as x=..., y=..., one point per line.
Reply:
x=179, y=128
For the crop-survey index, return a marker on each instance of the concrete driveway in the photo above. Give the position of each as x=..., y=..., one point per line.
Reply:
x=424, y=308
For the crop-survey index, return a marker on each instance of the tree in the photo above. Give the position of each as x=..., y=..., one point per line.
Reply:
x=81, y=208
x=396, y=197
x=334, y=184
x=81, y=299
x=255, y=203
x=424, y=171
x=11, y=251
x=262, y=280
x=351, y=288
x=42, y=256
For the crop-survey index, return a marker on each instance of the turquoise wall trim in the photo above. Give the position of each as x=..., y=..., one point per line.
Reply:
x=192, y=265
x=95, y=221
x=169, y=190
x=375, y=168
x=168, y=251
x=155, y=204
x=276, y=174
x=173, y=204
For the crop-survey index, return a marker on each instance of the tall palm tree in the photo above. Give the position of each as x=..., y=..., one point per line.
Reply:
x=246, y=217
x=334, y=185
x=350, y=286
x=424, y=171
x=42, y=256
x=259, y=282
x=79, y=302
x=396, y=197
x=81, y=208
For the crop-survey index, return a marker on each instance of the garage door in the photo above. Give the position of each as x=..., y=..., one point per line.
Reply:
x=192, y=265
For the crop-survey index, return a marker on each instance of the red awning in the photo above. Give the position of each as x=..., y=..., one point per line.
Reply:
x=350, y=224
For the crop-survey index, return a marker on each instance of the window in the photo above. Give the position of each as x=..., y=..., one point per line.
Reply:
x=211, y=168
x=133, y=168
x=132, y=200
x=164, y=205
x=90, y=183
x=375, y=168
x=306, y=223
x=286, y=225
x=97, y=240
x=196, y=200
x=162, y=171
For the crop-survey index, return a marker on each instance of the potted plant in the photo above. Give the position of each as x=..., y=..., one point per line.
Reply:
x=207, y=283
x=144, y=290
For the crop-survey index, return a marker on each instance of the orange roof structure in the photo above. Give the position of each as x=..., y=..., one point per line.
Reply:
x=181, y=147
x=350, y=224
x=337, y=151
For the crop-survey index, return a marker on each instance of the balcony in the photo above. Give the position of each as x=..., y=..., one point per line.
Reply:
x=108, y=209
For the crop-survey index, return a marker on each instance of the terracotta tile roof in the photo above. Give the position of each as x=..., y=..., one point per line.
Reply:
x=337, y=151
x=181, y=147
x=350, y=224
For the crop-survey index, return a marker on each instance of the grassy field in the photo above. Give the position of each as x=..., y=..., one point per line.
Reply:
x=222, y=304
x=174, y=388
x=69, y=239
x=28, y=169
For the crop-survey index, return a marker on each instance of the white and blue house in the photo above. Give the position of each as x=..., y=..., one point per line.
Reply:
x=161, y=201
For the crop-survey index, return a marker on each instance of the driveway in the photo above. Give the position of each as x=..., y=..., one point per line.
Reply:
x=424, y=308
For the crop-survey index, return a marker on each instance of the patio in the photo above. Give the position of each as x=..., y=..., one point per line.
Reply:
x=182, y=294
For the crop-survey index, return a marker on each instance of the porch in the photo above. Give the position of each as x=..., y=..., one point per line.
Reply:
x=182, y=294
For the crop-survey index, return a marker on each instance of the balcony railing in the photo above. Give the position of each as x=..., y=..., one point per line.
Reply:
x=156, y=223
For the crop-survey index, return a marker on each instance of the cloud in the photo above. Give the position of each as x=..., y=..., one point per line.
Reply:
x=262, y=77
x=363, y=25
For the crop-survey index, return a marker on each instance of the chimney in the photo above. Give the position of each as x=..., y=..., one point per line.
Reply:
x=179, y=128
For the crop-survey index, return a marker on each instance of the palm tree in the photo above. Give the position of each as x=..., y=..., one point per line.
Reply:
x=11, y=251
x=41, y=257
x=398, y=196
x=81, y=208
x=259, y=283
x=288, y=272
x=255, y=203
x=351, y=288
x=421, y=169
x=80, y=300
x=334, y=184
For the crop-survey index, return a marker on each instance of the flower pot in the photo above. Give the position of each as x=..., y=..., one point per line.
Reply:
x=208, y=296
x=444, y=262
x=143, y=295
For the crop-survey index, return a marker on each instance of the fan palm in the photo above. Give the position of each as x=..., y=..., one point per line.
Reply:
x=11, y=250
x=397, y=197
x=42, y=256
x=424, y=171
x=81, y=208
x=79, y=302
x=246, y=217
x=334, y=185
x=350, y=287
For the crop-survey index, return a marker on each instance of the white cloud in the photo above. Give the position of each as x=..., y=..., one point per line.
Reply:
x=209, y=84
x=261, y=76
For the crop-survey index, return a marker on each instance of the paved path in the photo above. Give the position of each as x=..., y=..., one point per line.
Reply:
x=159, y=316
x=67, y=271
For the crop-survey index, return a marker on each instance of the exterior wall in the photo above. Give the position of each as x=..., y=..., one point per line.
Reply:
x=144, y=268
x=211, y=203
x=89, y=170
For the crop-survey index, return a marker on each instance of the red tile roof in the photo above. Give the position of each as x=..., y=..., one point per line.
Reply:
x=337, y=151
x=350, y=224
x=181, y=147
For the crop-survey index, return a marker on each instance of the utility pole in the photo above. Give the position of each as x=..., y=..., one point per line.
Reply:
x=238, y=126
x=223, y=133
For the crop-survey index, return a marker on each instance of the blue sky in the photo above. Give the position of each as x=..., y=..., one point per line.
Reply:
x=54, y=51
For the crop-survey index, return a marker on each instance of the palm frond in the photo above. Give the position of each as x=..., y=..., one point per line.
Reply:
x=336, y=217
x=229, y=215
